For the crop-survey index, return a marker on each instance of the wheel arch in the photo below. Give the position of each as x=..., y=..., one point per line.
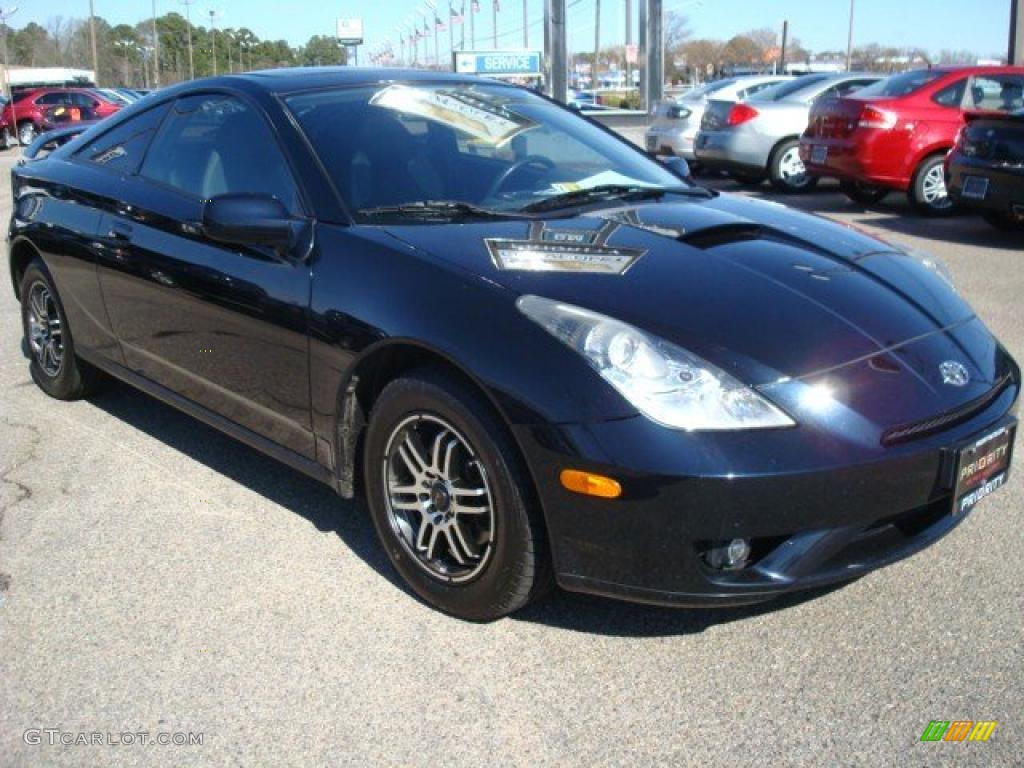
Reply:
x=22, y=252
x=366, y=378
x=778, y=145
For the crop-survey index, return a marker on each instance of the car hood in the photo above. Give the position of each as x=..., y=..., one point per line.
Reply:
x=764, y=292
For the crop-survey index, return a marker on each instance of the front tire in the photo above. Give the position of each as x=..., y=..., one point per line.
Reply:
x=928, y=194
x=54, y=367
x=449, y=500
x=786, y=170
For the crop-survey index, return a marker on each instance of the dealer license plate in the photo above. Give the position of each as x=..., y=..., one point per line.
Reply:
x=819, y=155
x=982, y=468
x=975, y=187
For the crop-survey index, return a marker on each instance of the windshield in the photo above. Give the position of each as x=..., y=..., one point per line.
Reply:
x=899, y=85
x=491, y=146
x=789, y=88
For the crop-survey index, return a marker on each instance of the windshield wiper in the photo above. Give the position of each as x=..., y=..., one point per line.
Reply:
x=611, y=192
x=436, y=210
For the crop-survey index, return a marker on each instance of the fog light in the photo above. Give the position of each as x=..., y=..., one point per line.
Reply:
x=728, y=555
x=736, y=553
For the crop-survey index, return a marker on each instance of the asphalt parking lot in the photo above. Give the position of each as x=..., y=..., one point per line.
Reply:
x=156, y=576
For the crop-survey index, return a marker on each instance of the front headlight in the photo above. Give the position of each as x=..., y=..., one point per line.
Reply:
x=663, y=381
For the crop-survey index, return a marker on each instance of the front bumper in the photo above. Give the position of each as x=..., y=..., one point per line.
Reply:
x=817, y=510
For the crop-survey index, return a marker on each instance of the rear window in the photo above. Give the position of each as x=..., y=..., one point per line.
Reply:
x=899, y=85
x=707, y=89
x=785, y=90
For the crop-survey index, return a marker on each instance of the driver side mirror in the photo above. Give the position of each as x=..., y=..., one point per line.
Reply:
x=678, y=166
x=249, y=220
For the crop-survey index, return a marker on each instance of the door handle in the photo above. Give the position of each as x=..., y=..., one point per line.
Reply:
x=120, y=232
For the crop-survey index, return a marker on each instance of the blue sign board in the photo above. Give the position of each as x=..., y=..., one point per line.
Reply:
x=497, y=63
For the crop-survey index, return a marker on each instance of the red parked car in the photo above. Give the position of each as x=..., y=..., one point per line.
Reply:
x=894, y=134
x=30, y=109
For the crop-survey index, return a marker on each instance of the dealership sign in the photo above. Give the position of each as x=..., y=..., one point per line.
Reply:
x=498, y=63
x=350, y=31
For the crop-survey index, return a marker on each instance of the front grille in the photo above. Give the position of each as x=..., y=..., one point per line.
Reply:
x=933, y=424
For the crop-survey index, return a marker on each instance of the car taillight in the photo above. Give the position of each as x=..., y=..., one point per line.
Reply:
x=740, y=113
x=872, y=117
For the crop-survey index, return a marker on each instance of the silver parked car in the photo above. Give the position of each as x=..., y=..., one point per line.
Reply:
x=676, y=122
x=761, y=137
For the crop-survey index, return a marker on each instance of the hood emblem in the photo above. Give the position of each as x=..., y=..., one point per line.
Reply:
x=953, y=373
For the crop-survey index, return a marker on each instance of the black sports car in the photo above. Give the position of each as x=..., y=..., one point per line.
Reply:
x=985, y=169
x=542, y=355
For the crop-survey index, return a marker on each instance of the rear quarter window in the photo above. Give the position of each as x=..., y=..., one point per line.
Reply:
x=123, y=147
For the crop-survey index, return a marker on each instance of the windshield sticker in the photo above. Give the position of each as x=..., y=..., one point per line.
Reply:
x=598, y=180
x=563, y=250
x=484, y=119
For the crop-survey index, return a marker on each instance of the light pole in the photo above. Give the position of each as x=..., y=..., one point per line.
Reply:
x=494, y=14
x=124, y=46
x=849, y=40
x=526, y=27
x=188, y=31
x=92, y=41
x=156, y=50
x=5, y=14
x=213, y=39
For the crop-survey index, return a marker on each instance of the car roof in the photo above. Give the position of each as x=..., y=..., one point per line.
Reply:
x=303, y=78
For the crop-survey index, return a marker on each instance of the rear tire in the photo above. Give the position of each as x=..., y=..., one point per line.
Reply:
x=928, y=194
x=436, y=455
x=786, y=170
x=864, y=194
x=54, y=367
x=27, y=133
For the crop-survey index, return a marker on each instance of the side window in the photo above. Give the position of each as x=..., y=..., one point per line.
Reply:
x=212, y=145
x=951, y=95
x=82, y=100
x=997, y=92
x=123, y=147
x=52, y=98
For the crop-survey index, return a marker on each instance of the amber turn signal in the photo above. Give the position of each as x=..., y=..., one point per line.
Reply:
x=590, y=484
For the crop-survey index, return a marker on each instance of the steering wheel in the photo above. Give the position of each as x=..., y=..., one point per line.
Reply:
x=534, y=161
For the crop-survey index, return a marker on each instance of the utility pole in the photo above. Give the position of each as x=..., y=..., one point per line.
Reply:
x=494, y=14
x=782, y=52
x=472, y=27
x=526, y=26
x=92, y=41
x=629, y=41
x=188, y=31
x=555, y=44
x=652, y=51
x=213, y=39
x=156, y=49
x=5, y=14
x=849, y=40
x=597, y=43
x=1015, y=54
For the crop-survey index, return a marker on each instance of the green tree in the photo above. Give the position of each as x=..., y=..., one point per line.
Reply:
x=321, y=50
